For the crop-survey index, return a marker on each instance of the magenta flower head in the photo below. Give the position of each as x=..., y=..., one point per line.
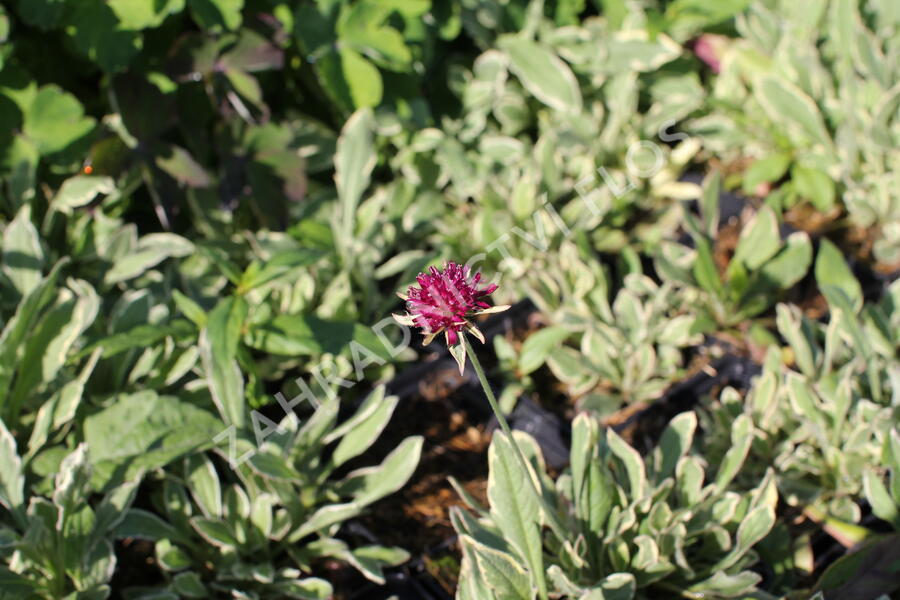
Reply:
x=444, y=301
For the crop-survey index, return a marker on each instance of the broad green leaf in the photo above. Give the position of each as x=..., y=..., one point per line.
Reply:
x=503, y=573
x=364, y=433
x=47, y=348
x=12, y=480
x=592, y=495
x=755, y=526
x=353, y=163
x=788, y=105
x=741, y=439
x=145, y=525
x=884, y=507
x=81, y=190
x=310, y=588
x=139, y=14
x=218, y=352
x=675, y=442
x=538, y=346
x=814, y=185
x=189, y=585
x=704, y=269
x=832, y=270
x=514, y=507
x=178, y=162
x=726, y=585
x=542, y=73
x=790, y=264
x=146, y=431
x=21, y=324
x=43, y=14
x=371, y=560
x=759, y=240
x=634, y=464
x=217, y=15
x=369, y=484
x=151, y=250
x=203, y=483
x=867, y=572
x=260, y=273
x=23, y=256
x=96, y=32
x=325, y=517
x=215, y=532
x=55, y=120
x=768, y=169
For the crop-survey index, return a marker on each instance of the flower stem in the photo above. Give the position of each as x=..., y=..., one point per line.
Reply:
x=552, y=517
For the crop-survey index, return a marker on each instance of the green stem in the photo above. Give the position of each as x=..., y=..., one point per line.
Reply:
x=552, y=518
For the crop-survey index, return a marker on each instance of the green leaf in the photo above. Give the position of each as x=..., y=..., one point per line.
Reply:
x=146, y=431
x=22, y=323
x=883, y=505
x=741, y=439
x=178, y=162
x=95, y=30
x=868, y=572
x=514, y=507
x=12, y=480
x=353, y=163
x=48, y=345
x=502, y=573
x=218, y=352
x=216, y=533
x=217, y=15
x=23, y=256
x=139, y=14
x=633, y=463
x=709, y=203
x=272, y=466
x=371, y=559
x=788, y=105
x=832, y=270
x=189, y=585
x=369, y=484
x=325, y=517
x=724, y=585
x=790, y=264
x=592, y=493
x=704, y=269
x=364, y=433
x=311, y=588
x=765, y=170
x=814, y=185
x=542, y=73
x=144, y=525
x=151, y=250
x=755, y=526
x=538, y=346
x=203, y=483
x=617, y=586
x=759, y=240
x=353, y=81
x=258, y=274
x=56, y=120
x=81, y=190
x=43, y=14
x=674, y=443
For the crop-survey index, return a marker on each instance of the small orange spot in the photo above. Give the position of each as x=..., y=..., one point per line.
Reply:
x=88, y=169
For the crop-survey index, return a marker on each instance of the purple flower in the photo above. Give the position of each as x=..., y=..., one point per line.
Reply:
x=444, y=300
